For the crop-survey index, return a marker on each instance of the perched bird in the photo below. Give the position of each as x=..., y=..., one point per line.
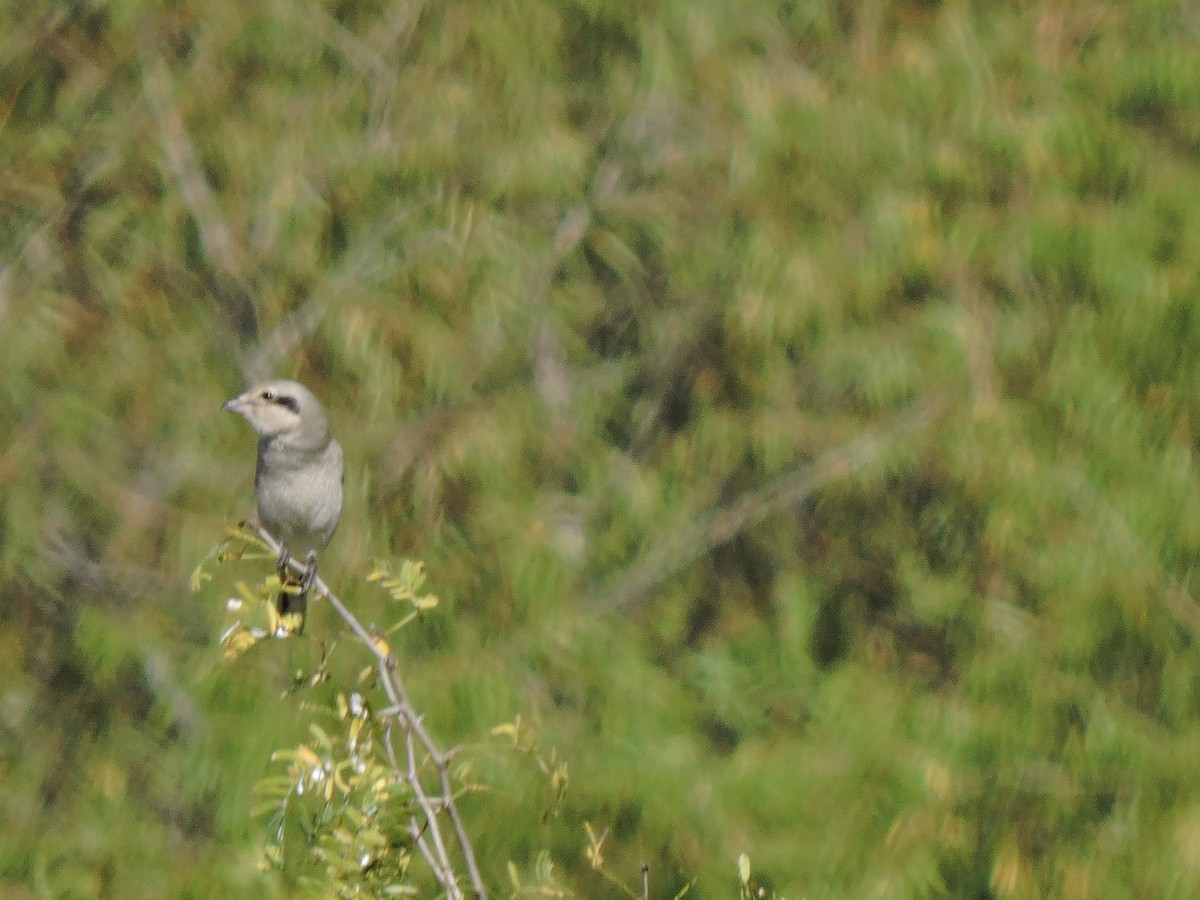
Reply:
x=298, y=479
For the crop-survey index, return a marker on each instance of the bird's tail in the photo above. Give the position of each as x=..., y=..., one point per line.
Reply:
x=292, y=603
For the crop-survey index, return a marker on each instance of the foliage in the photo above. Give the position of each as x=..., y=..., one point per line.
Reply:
x=358, y=807
x=346, y=793
x=796, y=404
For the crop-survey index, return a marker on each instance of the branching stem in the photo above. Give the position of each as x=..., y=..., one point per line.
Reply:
x=426, y=834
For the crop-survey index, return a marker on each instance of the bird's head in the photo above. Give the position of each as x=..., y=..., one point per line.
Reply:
x=281, y=408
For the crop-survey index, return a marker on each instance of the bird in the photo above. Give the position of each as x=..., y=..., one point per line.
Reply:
x=297, y=479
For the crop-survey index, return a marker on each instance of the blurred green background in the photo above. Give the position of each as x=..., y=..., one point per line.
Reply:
x=795, y=405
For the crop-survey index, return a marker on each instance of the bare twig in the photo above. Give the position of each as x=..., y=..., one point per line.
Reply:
x=427, y=834
x=1175, y=594
x=289, y=334
x=723, y=524
x=551, y=379
x=221, y=248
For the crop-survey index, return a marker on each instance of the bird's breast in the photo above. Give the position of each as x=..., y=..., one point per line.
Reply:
x=300, y=495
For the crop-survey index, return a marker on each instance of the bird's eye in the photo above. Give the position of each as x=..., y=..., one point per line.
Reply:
x=268, y=395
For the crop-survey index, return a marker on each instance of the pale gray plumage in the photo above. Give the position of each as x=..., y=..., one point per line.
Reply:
x=298, y=480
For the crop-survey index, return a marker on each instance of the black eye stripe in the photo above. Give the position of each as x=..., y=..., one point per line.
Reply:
x=272, y=396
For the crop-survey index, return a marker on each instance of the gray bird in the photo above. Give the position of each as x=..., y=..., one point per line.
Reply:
x=298, y=479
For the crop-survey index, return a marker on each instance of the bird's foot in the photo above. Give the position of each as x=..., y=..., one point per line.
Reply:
x=310, y=571
x=281, y=561
x=292, y=602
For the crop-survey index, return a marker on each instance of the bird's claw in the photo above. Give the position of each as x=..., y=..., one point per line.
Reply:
x=310, y=571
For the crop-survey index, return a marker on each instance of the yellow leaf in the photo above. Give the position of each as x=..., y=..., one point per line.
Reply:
x=508, y=729
x=237, y=640
x=199, y=576
x=319, y=733
x=251, y=597
x=355, y=727
x=595, y=848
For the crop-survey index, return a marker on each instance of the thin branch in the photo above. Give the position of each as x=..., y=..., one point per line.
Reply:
x=721, y=525
x=220, y=246
x=551, y=379
x=1175, y=594
x=179, y=159
x=289, y=334
x=414, y=830
x=401, y=711
x=444, y=870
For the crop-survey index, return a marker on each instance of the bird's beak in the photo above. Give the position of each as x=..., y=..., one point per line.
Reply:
x=237, y=405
